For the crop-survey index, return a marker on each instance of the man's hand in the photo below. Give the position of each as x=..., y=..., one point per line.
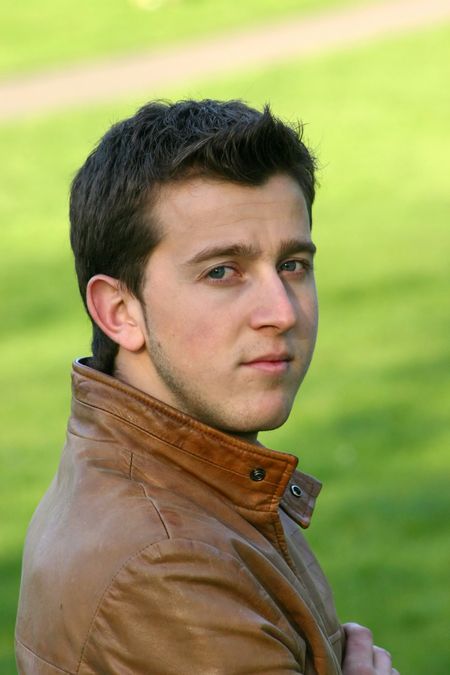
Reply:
x=362, y=657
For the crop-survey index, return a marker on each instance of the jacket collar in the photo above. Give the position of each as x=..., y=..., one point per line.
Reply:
x=252, y=477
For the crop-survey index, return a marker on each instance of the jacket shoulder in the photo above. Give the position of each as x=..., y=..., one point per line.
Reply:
x=82, y=534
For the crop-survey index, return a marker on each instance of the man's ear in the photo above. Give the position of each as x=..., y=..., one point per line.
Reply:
x=116, y=311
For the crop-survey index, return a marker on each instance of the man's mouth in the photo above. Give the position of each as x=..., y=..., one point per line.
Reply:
x=270, y=363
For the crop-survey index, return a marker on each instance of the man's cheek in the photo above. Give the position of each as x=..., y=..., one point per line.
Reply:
x=202, y=341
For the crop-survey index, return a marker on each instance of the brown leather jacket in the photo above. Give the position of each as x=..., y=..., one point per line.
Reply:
x=166, y=547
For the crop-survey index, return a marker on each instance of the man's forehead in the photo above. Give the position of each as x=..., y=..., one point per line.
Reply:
x=212, y=204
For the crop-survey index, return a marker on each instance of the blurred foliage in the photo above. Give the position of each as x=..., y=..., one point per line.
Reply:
x=370, y=420
x=39, y=33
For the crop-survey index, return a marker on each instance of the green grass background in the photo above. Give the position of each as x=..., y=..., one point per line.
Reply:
x=370, y=420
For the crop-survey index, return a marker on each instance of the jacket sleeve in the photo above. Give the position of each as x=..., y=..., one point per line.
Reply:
x=184, y=607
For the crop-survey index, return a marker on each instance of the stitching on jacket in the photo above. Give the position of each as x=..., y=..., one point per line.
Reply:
x=62, y=670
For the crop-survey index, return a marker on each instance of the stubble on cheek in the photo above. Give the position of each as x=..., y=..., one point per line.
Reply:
x=176, y=379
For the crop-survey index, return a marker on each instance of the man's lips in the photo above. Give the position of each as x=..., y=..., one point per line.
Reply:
x=270, y=363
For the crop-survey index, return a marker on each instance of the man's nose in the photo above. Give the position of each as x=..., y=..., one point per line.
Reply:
x=274, y=306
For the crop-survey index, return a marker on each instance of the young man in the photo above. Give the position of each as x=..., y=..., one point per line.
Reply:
x=168, y=542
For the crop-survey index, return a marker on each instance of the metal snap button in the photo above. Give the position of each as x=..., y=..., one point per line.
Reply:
x=296, y=491
x=257, y=474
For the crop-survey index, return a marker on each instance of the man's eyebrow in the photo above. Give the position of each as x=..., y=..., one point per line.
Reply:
x=245, y=250
x=239, y=249
x=291, y=246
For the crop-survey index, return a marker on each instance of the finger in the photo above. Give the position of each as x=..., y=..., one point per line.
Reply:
x=358, y=637
x=358, y=656
x=382, y=661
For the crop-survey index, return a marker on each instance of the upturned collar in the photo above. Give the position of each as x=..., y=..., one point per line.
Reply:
x=252, y=477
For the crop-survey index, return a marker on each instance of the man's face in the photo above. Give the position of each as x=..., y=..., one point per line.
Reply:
x=230, y=302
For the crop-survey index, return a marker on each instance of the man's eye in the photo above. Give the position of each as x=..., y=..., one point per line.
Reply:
x=220, y=273
x=294, y=266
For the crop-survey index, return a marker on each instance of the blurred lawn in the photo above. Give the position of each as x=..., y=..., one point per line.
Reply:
x=40, y=33
x=371, y=417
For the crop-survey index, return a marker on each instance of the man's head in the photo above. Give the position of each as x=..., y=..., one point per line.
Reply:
x=190, y=225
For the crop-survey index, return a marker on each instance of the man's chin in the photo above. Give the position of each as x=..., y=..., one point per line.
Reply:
x=250, y=427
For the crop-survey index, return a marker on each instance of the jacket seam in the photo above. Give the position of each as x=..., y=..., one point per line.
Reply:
x=130, y=468
x=282, y=545
x=124, y=564
x=106, y=589
x=335, y=637
x=63, y=670
x=149, y=499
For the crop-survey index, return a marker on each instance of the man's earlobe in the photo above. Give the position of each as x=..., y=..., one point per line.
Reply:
x=116, y=311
